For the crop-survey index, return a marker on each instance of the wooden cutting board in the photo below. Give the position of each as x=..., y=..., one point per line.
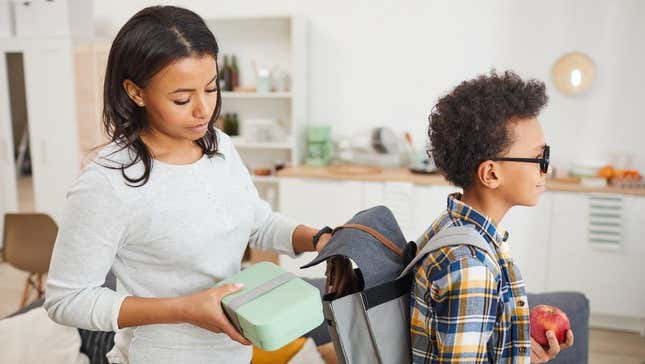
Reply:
x=354, y=170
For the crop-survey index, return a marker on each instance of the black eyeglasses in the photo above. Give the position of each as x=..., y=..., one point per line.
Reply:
x=543, y=162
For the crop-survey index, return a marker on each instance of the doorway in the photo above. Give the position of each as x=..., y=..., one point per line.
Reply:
x=20, y=131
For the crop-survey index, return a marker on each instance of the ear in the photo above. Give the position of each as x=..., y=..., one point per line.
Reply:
x=489, y=174
x=134, y=92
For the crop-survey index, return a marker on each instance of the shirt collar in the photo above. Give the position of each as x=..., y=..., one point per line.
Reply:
x=462, y=211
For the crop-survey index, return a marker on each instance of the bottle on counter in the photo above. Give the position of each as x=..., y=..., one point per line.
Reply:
x=231, y=125
x=235, y=74
x=226, y=75
x=221, y=82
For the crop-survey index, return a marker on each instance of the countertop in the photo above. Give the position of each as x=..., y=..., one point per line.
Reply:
x=370, y=174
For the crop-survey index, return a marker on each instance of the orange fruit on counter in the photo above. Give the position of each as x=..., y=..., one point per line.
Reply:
x=607, y=172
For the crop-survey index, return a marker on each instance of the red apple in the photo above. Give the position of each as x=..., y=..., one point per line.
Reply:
x=544, y=318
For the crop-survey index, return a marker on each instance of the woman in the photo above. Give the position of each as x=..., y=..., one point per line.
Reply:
x=168, y=205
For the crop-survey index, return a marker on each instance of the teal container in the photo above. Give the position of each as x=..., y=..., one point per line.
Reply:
x=274, y=307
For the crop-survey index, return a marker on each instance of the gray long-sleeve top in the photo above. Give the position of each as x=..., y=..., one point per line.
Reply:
x=180, y=233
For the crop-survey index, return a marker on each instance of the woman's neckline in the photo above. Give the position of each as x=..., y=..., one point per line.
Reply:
x=179, y=165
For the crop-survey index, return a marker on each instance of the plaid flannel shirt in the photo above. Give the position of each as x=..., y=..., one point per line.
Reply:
x=465, y=307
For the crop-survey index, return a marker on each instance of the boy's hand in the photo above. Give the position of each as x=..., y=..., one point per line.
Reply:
x=540, y=355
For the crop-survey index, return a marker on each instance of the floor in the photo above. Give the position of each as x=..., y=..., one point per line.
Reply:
x=26, y=194
x=606, y=347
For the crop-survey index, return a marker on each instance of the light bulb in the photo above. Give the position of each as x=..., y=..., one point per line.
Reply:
x=576, y=77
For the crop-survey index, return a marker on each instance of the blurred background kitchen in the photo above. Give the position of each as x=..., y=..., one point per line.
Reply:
x=327, y=103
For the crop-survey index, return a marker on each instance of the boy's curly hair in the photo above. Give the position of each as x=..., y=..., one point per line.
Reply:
x=469, y=125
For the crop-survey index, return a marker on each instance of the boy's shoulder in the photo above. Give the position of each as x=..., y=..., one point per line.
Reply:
x=449, y=259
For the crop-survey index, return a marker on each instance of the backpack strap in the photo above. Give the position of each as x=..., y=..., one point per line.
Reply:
x=378, y=236
x=456, y=235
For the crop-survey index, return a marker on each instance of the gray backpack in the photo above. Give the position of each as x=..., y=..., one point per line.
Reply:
x=373, y=325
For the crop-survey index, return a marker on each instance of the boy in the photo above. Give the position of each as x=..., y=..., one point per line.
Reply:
x=468, y=306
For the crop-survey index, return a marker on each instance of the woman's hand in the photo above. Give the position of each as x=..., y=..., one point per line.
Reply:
x=540, y=355
x=204, y=309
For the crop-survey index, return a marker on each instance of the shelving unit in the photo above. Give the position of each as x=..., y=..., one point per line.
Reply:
x=277, y=42
x=255, y=95
x=242, y=143
x=265, y=179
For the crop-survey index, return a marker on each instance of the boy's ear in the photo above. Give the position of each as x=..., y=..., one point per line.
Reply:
x=489, y=174
x=134, y=92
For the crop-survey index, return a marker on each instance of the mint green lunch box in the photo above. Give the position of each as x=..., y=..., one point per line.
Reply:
x=274, y=307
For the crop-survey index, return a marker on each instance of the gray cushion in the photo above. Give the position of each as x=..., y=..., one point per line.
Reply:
x=576, y=306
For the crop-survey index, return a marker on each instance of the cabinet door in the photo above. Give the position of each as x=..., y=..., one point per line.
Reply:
x=398, y=197
x=317, y=203
x=49, y=82
x=8, y=193
x=414, y=207
x=612, y=279
x=428, y=203
x=529, y=232
x=633, y=283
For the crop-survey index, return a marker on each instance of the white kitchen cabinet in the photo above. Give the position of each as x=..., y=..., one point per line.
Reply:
x=529, y=231
x=415, y=207
x=428, y=203
x=549, y=242
x=397, y=196
x=317, y=203
x=8, y=193
x=612, y=279
x=52, y=125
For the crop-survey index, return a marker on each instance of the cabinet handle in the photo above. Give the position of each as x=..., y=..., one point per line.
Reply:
x=605, y=221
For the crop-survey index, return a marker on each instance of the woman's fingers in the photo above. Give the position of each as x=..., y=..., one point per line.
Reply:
x=224, y=324
x=230, y=330
x=229, y=288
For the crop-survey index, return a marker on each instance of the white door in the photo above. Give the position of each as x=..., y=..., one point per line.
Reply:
x=49, y=84
x=612, y=278
x=529, y=231
x=317, y=203
x=8, y=193
x=428, y=204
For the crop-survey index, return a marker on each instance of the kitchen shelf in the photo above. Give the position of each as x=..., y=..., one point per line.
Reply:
x=265, y=179
x=255, y=95
x=241, y=143
x=277, y=43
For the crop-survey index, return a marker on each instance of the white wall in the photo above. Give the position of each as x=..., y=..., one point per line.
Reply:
x=386, y=62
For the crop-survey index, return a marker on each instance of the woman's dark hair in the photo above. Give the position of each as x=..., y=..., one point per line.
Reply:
x=153, y=38
x=470, y=124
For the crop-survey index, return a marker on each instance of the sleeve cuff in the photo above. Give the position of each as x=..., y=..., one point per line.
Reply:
x=283, y=242
x=116, y=310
